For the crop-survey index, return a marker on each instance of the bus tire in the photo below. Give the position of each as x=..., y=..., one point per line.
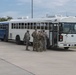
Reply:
x=2, y=40
x=5, y=38
x=18, y=40
x=66, y=48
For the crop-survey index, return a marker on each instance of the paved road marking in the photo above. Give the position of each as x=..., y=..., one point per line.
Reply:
x=7, y=68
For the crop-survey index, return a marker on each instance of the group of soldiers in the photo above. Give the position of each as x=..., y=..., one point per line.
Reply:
x=39, y=40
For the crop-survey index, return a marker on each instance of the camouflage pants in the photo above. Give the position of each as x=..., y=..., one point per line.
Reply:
x=44, y=45
x=35, y=46
x=27, y=44
x=40, y=46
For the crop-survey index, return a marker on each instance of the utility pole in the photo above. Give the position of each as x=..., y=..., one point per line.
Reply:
x=31, y=8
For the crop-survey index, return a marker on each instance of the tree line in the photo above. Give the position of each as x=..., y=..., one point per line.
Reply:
x=5, y=18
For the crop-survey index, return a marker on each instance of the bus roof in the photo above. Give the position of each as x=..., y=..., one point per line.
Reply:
x=5, y=22
x=69, y=19
x=52, y=20
x=36, y=20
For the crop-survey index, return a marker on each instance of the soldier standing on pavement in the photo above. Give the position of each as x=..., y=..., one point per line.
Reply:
x=26, y=39
x=44, y=40
x=40, y=45
x=35, y=40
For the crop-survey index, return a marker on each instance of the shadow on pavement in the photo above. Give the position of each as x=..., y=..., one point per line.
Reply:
x=52, y=49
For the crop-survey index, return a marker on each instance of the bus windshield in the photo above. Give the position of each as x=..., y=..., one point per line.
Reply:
x=69, y=28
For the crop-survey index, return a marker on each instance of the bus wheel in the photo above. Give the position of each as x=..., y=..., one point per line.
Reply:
x=66, y=48
x=2, y=40
x=18, y=40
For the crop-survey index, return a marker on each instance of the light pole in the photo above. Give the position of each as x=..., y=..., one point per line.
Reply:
x=31, y=8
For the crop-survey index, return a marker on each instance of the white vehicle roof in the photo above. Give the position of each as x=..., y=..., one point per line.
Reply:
x=69, y=19
x=52, y=20
x=37, y=20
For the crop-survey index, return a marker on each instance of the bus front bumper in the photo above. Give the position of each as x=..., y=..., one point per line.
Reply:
x=66, y=44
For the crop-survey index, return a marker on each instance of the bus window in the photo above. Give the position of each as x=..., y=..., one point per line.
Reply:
x=25, y=26
x=42, y=25
x=38, y=26
x=22, y=25
x=60, y=28
x=50, y=26
x=4, y=26
x=34, y=25
x=16, y=25
x=19, y=25
x=31, y=25
x=12, y=26
x=75, y=28
x=46, y=26
x=28, y=25
x=1, y=26
x=55, y=27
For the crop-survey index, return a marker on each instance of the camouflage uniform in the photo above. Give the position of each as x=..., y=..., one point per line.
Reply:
x=26, y=39
x=44, y=40
x=40, y=45
x=35, y=41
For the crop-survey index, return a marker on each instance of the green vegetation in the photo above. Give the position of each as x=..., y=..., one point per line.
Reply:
x=5, y=19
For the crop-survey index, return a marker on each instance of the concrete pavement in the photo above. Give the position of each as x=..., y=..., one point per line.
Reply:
x=50, y=62
x=7, y=68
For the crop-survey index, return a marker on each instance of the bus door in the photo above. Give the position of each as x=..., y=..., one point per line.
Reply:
x=53, y=34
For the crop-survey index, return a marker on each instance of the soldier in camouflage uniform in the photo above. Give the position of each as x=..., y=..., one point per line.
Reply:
x=26, y=39
x=35, y=40
x=44, y=41
x=40, y=45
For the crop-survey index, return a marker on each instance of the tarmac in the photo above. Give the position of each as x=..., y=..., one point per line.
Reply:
x=7, y=68
x=15, y=60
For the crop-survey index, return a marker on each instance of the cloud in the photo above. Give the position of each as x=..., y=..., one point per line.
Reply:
x=20, y=2
x=42, y=7
x=13, y=14
x=46, y=3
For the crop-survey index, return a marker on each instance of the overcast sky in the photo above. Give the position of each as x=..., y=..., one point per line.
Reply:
x=22, y=8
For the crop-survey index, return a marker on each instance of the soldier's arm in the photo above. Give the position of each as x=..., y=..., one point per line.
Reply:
x=24, y=36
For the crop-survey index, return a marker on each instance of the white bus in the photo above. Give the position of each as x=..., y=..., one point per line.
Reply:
x=61, y=31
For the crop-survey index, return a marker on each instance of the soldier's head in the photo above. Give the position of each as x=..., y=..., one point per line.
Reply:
x=28, y=31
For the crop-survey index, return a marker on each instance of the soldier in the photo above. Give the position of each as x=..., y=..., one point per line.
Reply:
x=26, y=39
x=35, y=40
x=44, y=40
x=40, y=45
